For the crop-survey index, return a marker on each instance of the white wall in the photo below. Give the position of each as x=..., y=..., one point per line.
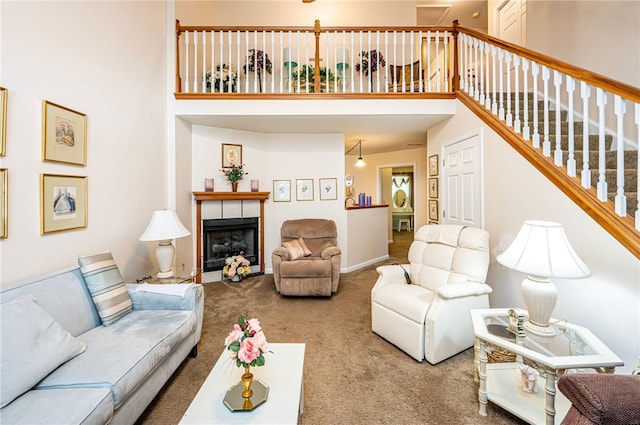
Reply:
x=608, y=302
x=71, y=53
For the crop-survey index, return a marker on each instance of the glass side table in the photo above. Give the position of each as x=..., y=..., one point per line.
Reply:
x=573, y=348
x=179, y=276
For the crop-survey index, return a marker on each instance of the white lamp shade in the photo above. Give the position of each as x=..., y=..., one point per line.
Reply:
x=541, y=248
x=164, y=225
x=342, y=59
x=289, y=57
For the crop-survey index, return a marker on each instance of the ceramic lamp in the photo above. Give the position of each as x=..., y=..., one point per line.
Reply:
x=163, y=227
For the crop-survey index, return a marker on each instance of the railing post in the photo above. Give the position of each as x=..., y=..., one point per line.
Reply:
x=178, y=79
x=455, y=82
x=316, y=74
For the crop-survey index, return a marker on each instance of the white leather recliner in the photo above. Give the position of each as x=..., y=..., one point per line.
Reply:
x=429, y=318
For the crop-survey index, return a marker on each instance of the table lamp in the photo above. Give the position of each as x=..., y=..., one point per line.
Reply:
x=542, y=251
x=163, y=227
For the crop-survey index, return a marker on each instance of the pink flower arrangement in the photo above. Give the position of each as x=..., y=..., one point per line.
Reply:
x=247, y=343
x=236, y=264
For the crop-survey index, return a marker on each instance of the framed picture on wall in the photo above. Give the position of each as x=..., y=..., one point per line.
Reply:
x=4, y=197
x=3, y=121
x=433, y=209
x=63, y=203
x=304, y=189
x=328, y=189
x=231, y=154
x=433, y=165
x=64, y=134
x=282, y=191
x=433, y=187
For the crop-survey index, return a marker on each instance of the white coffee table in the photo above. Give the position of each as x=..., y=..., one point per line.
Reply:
x=282, y=373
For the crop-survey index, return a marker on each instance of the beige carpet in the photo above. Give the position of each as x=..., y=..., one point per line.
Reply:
x=351, y=375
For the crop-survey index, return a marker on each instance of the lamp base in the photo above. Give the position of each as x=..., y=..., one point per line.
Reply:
x=164, y=255
x=165, y=275
x=539, y=332
x=540, y=295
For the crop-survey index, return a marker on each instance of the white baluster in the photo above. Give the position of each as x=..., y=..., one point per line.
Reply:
x=204, y=62
x=476, y=93
x=480, y=75
x=221, y=62
x=273, y=76
x=621, y=200
x=438, y=85
x=637, y=216
x=238, y=48
x=546, y=144
x=421, y=80
x=487, y=100
x=501, y=91
x=525, y=79
x=445, y=61
x=306, y=60
x=516, y=75
x=494, y=104
x=585, y=175
x=360, y=56
x=255, y=56
x=509, y=116
x=195, y=61
x=246, y=49
x=186, y=62
x=557, y=81
x=602, y=188
x=353, y=71
x=429, y=61
x=571, y=160
x=535, y=69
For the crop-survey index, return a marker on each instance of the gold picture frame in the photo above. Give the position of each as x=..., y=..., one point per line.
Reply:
x=64, y=134
x=433, y=187
x=433, y=165
x=433, y=209
x=4, y=199
x=304, y=189
x=63, y=203
x=328, y=189
x=4, y=95
x=282, y=191
x=231, y=154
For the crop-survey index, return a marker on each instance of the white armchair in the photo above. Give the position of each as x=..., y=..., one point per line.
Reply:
x=429, y=318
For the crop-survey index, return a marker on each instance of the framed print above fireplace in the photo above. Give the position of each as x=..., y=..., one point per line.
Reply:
x=231, y=154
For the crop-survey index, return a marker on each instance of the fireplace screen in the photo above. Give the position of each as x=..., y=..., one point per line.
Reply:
x=224, y=238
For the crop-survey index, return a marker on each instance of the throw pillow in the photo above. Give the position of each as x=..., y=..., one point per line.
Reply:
x=297, y=248
x=33, y=345
x=106, y=286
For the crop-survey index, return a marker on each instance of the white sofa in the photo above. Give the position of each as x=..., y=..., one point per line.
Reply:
x=429, y=318
x=62, y=365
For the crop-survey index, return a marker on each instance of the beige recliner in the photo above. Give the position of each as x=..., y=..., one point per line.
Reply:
x=308, y=262
x=430, y=317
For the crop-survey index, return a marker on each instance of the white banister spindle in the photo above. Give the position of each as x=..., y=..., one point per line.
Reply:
x=585, y=175
x=246, y=79
x=421, y=66
x=464, y=83
x=494, y=104
x=395, y=61
x=476, y=92
x=353, y=71
x=438, y=85
x=535, y=70
x=203, y=75
x=221, y=64
x=516, y=76
x=212, y=35
x=403, y=77
x=306, y=61
x=429, y=61
x=370, y=79
x=501, y=84
x=487, y=74
x=361, y=59
x=480, y=75
x=238, y=48
x=571, y=160
x=445, y=61
x=637, y=216
x=557, y=157
x=525, y=79
x=263, y=74
x=546, y=144
x=195, y=61
x=412, y=45
x=621, y=200
x=255, y=57
x=186, y=62
x=509, y=116
x=602, y=187
x=273, y=76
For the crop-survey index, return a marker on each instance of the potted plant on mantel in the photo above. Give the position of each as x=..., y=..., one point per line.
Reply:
x=234, y=174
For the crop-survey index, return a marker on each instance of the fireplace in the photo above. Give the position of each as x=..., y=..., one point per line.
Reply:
x=222, y=238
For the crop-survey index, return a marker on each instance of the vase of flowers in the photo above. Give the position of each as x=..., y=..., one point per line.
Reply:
x=248, y=345
x=370, y=61
x=236, y=267
x=257, y=61
x=234, y=173
x=223, y=79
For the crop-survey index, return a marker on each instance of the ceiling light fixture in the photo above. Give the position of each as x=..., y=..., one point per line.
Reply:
x=360, y=161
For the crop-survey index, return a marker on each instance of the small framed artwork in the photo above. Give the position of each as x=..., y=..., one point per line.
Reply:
x=63, y=203
x=328, y=189
x=3, y=121
x=433, y=187
x=64, y=134
x=433, y=209
x=433, y=165
x=231, y=154
x=282, y=191
x=4, y=198
x=432, y=222
x=304, y=189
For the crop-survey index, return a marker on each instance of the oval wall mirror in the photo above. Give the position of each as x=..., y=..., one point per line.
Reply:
x=399, y=199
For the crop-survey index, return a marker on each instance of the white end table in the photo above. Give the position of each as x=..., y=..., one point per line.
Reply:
x=282, y=373
x=573, y=347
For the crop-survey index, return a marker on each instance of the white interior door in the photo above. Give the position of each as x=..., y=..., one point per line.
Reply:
x=462, y=172
x=510, y=21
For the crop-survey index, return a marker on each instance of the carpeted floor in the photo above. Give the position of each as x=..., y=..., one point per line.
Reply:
x=351, y=375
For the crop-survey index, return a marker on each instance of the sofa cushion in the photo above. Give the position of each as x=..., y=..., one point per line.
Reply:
x=33, y=344
x=120, y=357
x=297, y=248
x=106, y=287
x=86, y=406
x=410, y=301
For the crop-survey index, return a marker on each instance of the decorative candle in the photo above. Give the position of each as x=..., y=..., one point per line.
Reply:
x=208, y=185
x=255, y=184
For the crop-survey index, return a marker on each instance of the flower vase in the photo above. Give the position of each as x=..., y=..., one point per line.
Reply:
x=234, y=186
x=247, y=380
x=236, y=278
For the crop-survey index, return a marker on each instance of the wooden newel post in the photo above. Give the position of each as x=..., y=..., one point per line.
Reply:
x=316, y=74
x=455, y=81
x=178, y=88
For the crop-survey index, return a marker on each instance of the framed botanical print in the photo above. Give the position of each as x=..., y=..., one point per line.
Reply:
x=433, y=165
x=64, y=134
x=304, y=190
x=3, y=121
x=433, y=187
x=433, y=209
x=282, y=191
x=328, y=189
x=231, y=154
x=4, y=198
x=63, y=203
